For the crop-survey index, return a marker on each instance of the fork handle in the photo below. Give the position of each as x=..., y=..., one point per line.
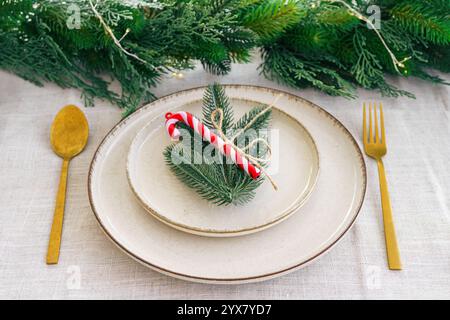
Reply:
x=392, y=250
x=54, y=242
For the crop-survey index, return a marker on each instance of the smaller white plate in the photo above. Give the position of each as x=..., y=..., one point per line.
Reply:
x=170, y=201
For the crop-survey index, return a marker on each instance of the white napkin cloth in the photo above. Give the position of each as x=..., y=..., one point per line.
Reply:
x=90, y=266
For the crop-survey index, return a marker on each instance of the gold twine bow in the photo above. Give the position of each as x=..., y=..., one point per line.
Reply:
x=253, y=159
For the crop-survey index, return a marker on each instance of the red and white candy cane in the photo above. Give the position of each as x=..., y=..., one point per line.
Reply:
x=207, y=135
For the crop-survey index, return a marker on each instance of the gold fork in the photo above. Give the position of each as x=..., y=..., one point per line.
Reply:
x=375, y=147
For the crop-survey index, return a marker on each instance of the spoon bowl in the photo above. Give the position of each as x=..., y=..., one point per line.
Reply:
x=69, y=132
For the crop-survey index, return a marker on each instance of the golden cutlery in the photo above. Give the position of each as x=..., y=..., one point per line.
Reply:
x=68, y=137
x=375, y=147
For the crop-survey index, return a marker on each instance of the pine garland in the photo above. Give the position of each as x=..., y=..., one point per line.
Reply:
x=304, y=43
x=333, y=51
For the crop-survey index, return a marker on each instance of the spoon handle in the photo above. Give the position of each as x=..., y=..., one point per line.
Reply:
x=55, y=234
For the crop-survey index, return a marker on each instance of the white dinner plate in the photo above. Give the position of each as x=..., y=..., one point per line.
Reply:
x=328, y=214
x=294, y=166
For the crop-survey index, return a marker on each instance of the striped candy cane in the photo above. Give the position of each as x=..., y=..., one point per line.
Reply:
x=206, y=134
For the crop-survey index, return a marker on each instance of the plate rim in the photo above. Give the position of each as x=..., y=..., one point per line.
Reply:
x=261, y=277
x=286, y=213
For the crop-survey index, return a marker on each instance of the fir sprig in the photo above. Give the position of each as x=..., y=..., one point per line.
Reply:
x=219, y=183
x=215, y=98
x=427, y=19
x=269, y=18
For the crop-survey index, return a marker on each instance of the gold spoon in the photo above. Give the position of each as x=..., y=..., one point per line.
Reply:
x=68, y=136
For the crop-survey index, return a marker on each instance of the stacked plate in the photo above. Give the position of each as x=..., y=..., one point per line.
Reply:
x=160, y=222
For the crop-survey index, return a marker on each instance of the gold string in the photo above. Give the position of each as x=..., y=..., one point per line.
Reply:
x=255, y=160
x=218, y=127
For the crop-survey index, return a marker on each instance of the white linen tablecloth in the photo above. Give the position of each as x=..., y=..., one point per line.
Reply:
x=90, y=266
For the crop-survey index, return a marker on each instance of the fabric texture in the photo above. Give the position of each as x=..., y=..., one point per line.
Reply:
x=90, y=266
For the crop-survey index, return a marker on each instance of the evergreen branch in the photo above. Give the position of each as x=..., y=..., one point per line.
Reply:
x=293, y=70
x=368, y=70
x=303, y=43
x=438, y=58
x=422, y=19
x=203, y=178
x=271, y=17
x=336, y=17
x=215, y=98
x=220, y=183
x=249, y=118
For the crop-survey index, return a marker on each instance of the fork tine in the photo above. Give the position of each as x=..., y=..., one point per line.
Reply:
x=383, y=133
x=370, y=123
x=364, y=124
x=377, y=138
